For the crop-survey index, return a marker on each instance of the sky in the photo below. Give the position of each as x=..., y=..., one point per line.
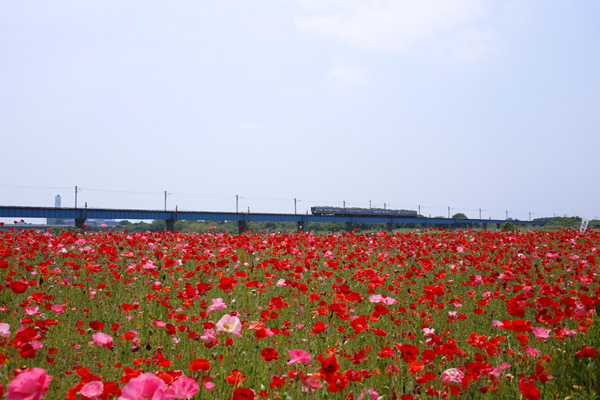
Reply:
x=471, y=105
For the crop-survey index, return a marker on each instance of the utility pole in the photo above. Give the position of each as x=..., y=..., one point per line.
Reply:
x=480, y=213
x=76, y=190
x=506, y=214
x=384, y=206
x=530, y=215
x=344, y=203
x=448, y=212
x=369, y=204
x=295, y=201
x=419, y=209
x=237, y=199
x=166, y=194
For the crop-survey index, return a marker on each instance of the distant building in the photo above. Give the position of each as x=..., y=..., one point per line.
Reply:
x=54, y=221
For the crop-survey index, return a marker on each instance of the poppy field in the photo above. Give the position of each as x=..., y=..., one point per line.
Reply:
x=434, y=314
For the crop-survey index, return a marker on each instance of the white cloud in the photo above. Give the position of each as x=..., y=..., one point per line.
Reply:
x=346, y=73
x=474, y=46
x=387, y=24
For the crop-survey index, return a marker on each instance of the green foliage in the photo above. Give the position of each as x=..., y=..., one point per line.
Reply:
x=509, y=226
x=58, y=230
x=459, y=216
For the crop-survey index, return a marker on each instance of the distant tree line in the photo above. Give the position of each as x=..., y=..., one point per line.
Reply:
x=552, y=223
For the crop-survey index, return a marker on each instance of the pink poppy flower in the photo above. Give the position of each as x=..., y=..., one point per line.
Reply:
x=377, y=298
x=149, y=266
x=541, y=333
x=33, y=310
x=58, y=308
x=102, y=339
x=185, y=388
x=159, y=323
x=29, y=385
x=310, y=382
x=92, y=389
x=281, y=283
x=370, y=392
x=146, y=386
x=223, y=250
x=298, y=356
x=209, y=385
x=496, y=373
x=452, y=375
x=4, y=329
x=36, y=345
x=504, y=365
x=217, y=304
x=532, y=351
x=209, y=334
x=230, y=324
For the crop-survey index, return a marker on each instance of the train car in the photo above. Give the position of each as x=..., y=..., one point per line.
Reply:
x=384, y=212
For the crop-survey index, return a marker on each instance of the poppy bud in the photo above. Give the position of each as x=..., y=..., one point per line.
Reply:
x=148, y=346
x=134, y=348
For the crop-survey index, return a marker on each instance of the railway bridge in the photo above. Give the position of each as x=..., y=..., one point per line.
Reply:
x=80, y=215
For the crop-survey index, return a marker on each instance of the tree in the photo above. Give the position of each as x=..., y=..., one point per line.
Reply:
x=460, y=216
x=509, y=226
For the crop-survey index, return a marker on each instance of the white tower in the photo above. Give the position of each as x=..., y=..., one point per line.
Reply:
x=52, y=221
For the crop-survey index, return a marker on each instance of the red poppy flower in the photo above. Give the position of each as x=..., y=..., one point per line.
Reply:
x=226, y=283
x=235, y=378
x=243, y=394
x=269, y=354
x=18, y=287
x=359, y=324
x=318, y=328
x=587, y=352
x=27, y=351
x=329, y=365
x=529, y=390
x=522, y=338
x=96, y=325
x=200, y=364
x=277, y=381
x=409, y=351
x=203, y=287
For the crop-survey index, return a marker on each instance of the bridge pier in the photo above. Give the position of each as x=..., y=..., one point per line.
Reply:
x=301, y=226
x=498, y=226
x=349, y=226
x=484, y=225
x=389, y=226
x=241, y=227
x=170, y=225
x=79, y=222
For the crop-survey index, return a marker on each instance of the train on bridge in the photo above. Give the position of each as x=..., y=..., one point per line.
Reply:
x=352, y=211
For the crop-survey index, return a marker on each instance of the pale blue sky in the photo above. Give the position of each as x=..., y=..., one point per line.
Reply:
x=465, y=104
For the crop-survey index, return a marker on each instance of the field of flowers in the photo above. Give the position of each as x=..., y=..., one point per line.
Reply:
x=422, y=315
